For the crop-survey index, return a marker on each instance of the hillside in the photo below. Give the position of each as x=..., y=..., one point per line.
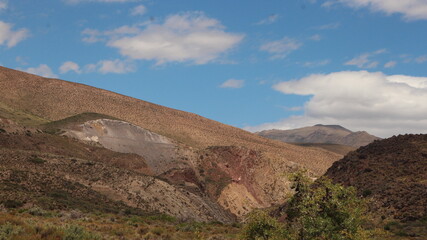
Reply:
x=391, y=173
x=221, y=172
x=324, y=134
x=53, y=99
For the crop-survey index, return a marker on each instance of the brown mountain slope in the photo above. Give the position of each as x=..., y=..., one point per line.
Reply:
x=329, y=134
x=58, y=172
x=54, y=99
x=392, y=173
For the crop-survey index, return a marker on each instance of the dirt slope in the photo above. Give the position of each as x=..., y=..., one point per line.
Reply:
x=329, y=134
x=54, y=99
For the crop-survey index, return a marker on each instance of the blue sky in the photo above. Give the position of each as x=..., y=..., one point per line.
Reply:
x=251, y=64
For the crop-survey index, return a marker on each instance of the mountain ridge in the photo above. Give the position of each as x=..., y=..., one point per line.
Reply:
x=319, y=133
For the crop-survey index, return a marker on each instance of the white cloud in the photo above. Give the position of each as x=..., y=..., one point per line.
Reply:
x=364, y=60
x=100, y=1
x=233, y=83
x=9, y=37
x=69, y=66
x=3, y=4
x=42, y=70
x=390, y=64
x=281, y=48
x=138, y=10
x=269, y=20
x=410, y=9
x=111, y=66
x=380, y=104
x=190, y=37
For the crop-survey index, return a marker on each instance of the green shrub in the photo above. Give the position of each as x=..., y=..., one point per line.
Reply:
x=366, y=193
x=8, y=230
x=73, y=232
x=325, y=211
x=317, y=211
x=260, y=226
x=12, y=204
x=36, y=160
x=36, y=211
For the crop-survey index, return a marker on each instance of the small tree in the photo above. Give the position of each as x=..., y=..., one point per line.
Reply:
x=261, y=226
x=324, y=210
x=317, y=211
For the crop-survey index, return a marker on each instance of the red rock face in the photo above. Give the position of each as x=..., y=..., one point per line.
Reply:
x=391, y=172
x=223, y=165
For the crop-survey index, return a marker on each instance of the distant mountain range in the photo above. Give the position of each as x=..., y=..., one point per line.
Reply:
x=321, y=134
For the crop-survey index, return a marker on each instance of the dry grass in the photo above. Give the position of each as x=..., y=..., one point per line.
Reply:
x=23, y=224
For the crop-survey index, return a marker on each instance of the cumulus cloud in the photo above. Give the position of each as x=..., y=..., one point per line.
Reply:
x=10, y=37
x=233, y=83
x=269, y=20
x=138, y=10
x=380, y=104
x=69, y=66
x=364, y=60
x=281, y=48
x=410, y=9
x=189, y=37
x=390, y=64
x=42, y=70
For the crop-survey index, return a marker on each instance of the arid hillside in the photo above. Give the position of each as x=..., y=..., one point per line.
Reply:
x=392, y=173
x=321, y=134
x=52, y=99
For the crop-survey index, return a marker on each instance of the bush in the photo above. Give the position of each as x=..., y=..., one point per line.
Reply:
x=36, y=160
x=259, y=225
x=8, y=230
x=73, y=232
x=317, y=211
x=325, y=210
x=12, y=204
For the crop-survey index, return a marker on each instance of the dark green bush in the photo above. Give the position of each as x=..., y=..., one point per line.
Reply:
x=12, y=204
x=36, y=160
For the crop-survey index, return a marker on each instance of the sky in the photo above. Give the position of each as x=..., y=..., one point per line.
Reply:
x=251, y=64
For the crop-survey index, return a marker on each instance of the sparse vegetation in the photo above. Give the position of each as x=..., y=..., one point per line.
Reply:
x=62, y=225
